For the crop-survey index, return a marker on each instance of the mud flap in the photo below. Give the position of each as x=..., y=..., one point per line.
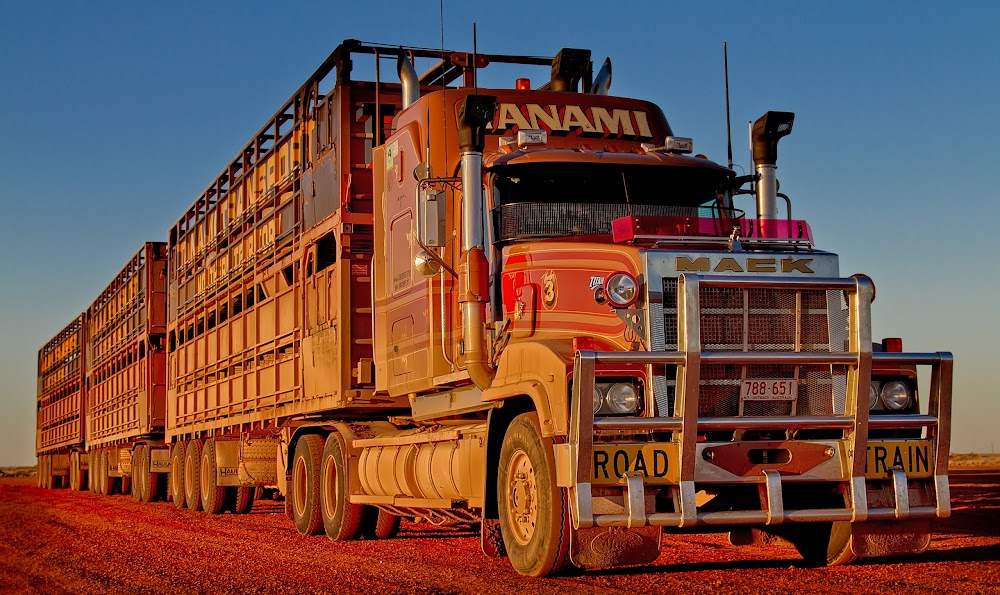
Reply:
x=491, y=540
x=874, y=539
x=603, y=547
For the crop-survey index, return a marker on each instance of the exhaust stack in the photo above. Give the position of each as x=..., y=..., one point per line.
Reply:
x=767, y=131
x=602, y=82
x=569, y=67
x=408, y=79
x=476, y=112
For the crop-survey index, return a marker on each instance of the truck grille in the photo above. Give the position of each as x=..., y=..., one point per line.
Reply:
x=780, y=320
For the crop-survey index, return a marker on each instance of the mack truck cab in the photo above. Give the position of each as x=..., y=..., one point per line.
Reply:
x=598, y=346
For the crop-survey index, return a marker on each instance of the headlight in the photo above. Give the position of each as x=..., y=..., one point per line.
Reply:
x=621, y=289
x=872, y=395
x=622, y=398
x=895, y=395
x=598, y=400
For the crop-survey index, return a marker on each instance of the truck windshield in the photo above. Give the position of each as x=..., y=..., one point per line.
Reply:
x=552, y=199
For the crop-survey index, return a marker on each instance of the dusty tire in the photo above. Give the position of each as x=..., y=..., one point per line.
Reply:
x=125, y=485
x=74, y=471
x=306, y=507
x=192, y=475
x=176, y=479
x=137, y=472
x=823, y=544
x=533, y=509
x=92, y=470
x=107, y=486
x=243, y=500
x=341, y=519
x=385, y=525
x=213, y=496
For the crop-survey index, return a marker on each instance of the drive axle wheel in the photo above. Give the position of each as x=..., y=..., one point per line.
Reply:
x=177, y=475
x=305, y=484
x=341, y=519
x=533, y=513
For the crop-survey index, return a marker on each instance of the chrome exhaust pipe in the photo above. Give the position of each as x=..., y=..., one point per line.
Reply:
x=477, y=111
x=602, y=82
x=408, y=79
x=766, y=132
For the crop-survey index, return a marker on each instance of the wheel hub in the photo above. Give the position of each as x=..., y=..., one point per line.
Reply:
x=522, y=497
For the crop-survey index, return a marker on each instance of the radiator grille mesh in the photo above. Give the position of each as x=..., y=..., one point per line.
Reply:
x=778, y=320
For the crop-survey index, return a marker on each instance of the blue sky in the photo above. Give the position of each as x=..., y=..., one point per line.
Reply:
x=117, y=114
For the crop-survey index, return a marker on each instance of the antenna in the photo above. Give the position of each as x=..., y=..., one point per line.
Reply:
x=729, y=133
x=475, y=67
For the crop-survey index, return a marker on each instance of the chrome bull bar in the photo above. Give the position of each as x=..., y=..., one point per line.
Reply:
x=685, y=425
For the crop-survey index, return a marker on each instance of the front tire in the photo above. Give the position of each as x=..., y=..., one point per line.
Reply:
x=533, y=509
x=823, y=544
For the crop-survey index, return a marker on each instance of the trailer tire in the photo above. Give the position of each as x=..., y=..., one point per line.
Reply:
x=533, y=509
x=107, y=482
x=342, y=520
x=74, y=471
x=92, y=472
x=177, y=475
x=383, y=526
x=213, y=496
x=125, y=484
x=306, y=506
x=192, y=474
x=243, y=500
x=137, y=474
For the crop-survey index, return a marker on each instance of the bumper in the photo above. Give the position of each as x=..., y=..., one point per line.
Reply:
x=873, y=488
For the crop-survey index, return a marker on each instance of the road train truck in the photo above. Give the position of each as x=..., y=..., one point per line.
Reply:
x=532, y=309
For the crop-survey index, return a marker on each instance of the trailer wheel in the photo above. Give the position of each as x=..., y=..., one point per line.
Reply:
x=43, y=474
x=341, y=519
x=823, y=544
x=213, y=496
x=383, y=526
x=92, y=472
x=177, y=475
x=533, y=511
x=107, y=482
x=137, y=473
x=125, y=485
x=74, y=471
x=192, y=475
x=306, y=485
x=244, y=500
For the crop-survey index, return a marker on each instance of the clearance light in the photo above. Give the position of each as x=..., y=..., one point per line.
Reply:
x=522, y=84
x=622, y=289
x=892, y=345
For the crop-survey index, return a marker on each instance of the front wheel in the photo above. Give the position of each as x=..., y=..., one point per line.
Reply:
x=823, y=544
x=533, y=509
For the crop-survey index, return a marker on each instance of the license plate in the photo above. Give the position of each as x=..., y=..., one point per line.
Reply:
x=769, y=389
x=912, y=456
x=657, y=463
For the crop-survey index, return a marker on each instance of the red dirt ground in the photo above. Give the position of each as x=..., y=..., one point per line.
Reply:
x=57, y=541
